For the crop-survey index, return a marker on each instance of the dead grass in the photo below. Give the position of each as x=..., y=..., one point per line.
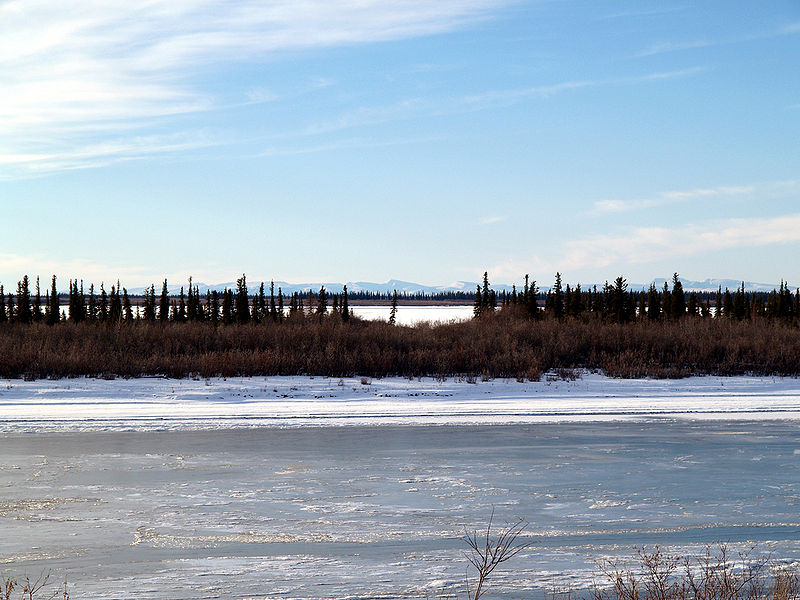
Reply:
x=497, y=346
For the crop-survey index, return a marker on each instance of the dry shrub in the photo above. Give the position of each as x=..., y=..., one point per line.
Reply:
x=495, y=346
x=714, y=575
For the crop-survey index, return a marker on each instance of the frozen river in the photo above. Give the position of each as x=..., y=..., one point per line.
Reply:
x=370, y=510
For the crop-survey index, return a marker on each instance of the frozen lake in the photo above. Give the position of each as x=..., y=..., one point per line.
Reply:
x=374, y=509
x=411, y=315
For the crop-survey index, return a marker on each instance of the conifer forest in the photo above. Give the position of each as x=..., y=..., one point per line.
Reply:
x=665, y=332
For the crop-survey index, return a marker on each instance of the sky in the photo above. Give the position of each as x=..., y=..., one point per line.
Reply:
x=364, y=140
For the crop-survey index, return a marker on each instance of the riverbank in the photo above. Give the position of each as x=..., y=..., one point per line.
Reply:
x=161, y=403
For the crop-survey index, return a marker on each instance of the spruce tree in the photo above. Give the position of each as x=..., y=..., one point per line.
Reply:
x=485, y=294
x=127, y=309
x=345, y=306
x=558, y=298
x=322, y=301
x=24, y=313
x=103, y=304
x=666, y=302
x=693, y=305
x=619, y=297
x=477, y=307
x=678, y=299
x=3, y=313
x=150, y=304
x=192, y=304
x=213, y=308
x=262, y=302
x=531, y=296
x=393, y=311
x=53, y=311
x=115, y=305
x=280, y=305
x=163, y=304
x=727, y=304
x=180, y=317
x=37, y=303
x=12, y=311
x=653, y=304
x=242, y=308
x=273, y=310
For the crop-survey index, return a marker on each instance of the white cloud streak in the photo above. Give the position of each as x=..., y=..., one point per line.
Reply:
x=74, y=77
x=763, y=191
x=664, y=47
x=650, y=244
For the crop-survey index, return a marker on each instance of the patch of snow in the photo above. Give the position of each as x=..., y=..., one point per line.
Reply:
x=158, y=403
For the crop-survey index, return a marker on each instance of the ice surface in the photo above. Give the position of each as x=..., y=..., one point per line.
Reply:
x=160, y=489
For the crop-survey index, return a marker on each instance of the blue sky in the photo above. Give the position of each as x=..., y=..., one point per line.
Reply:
x=427, y=141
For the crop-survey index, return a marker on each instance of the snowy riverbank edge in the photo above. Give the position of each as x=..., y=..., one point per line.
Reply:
x=158, y=403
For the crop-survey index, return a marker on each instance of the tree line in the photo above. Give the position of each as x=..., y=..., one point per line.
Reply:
x=610, y=303
x=229, y=307
x=614, y=303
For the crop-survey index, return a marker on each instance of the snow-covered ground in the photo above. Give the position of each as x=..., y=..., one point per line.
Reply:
x=411, y=315
x=156, y=403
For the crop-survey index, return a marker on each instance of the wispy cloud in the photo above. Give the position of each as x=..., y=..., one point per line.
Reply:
x=72, y=77
x=413, y=108
x=670, y=46
x=644, y=12
x=650, y=244
x=491, y=220
x=762, y=191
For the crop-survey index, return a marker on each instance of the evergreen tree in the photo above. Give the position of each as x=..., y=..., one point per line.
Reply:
x=103, y=304
x=280, y=305
x=310, y=302
x=322, y=301
x=531, y=296
x=115, y=305
x=678, y=299
x=738, y=303
x=393, y=311
x=262, y=302
x=273, y=310
x=576, y=304
x=192, y=304
x=666, y=302
x=558, y=298
x=180, y=316
x=619, y=297
x=37, y=303
x=228, y=317
x=12, y=310
x=242, y=307
x=150, y=304
x=486, y=294
x=345, y=306
x=163, y=304
x=53, y=310
x=213, y=308
x=477, y=307
x=127, y=309
x=653, y=304
x=3, y=313
x=24, y=313
x=727, y=304
x=692, y=305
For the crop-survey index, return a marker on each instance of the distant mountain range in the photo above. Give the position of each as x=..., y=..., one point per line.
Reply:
x=408, y=287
